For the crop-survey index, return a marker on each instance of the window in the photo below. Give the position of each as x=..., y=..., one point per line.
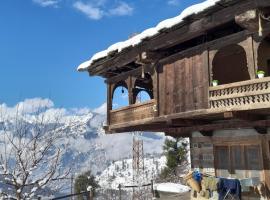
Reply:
x=241, y=161
x=222, y=157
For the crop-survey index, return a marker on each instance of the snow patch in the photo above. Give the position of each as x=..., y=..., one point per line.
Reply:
x=171, y=188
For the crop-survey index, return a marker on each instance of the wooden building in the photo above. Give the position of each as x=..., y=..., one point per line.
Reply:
x=226, y=40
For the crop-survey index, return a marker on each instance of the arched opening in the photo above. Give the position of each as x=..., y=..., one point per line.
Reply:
x=230, y=65
x=142, y=96
x=120, y=95
x=143, y=89
x=263, y=62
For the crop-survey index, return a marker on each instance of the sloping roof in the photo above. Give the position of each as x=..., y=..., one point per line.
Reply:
x=149, y=33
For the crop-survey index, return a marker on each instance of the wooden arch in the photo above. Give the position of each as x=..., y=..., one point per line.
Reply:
x=230, y=64
x=143, y=84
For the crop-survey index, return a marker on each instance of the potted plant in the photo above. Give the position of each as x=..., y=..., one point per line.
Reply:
x=215, y=82
x=260, y=73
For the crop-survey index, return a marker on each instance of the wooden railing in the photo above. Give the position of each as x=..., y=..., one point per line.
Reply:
x=133, y=112
x=245, y=95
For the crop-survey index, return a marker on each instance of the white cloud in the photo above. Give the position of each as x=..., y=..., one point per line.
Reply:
x=174, y=2
x=47, y=3
x=122, y=9
x=89, y=10
x=97, y=9
x=34, y=105
x=26, y=107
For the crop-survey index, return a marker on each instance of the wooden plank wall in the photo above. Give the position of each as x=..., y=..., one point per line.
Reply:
x=184, y=84
x=198, y=150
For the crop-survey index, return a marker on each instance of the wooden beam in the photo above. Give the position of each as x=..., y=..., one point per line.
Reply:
x=248, y=116
x=185, y=122
x=215, y=44
x=124, y=58
x=124, y=76
x=206, y=129
x=263, y=3
x=219, y=126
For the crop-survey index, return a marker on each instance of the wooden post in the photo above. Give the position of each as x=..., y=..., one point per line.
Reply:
x=91, y=195
x=119, y=191
x=130, y=90
x=152, y=188
x=71, y=187
x=109, y=102
x=251, y=64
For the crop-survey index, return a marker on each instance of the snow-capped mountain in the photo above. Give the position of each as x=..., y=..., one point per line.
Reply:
x=86, y=146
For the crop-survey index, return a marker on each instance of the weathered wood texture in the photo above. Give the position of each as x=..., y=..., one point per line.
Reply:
x=184, y=84
x=133, y=113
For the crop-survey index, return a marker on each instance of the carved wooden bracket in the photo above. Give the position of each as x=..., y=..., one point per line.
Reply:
x=248, y=20
x=145, y=58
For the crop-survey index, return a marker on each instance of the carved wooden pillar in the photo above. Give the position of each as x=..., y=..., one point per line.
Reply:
x=109, y=101
x=155, y=78
x=251, y=64
x=212, y=54
x=131, y=82
x=206, y=77
x=256, y=44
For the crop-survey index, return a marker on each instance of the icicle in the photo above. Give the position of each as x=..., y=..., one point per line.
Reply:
x=260, y=25
x=143, y=71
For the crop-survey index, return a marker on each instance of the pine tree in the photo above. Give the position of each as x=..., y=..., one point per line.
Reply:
x=83, y=181
x=176, y=155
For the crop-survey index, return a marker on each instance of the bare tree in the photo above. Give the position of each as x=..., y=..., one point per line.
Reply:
x=29, y=156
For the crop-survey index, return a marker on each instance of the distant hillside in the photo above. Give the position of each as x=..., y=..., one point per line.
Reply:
x=85, y=143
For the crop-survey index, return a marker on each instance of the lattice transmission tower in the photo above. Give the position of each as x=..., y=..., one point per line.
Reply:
x=139, y=179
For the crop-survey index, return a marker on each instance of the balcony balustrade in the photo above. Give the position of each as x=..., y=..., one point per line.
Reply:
x=245, y=95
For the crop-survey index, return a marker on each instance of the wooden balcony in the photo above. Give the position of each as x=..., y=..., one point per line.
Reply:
x=133, y=113
x=250, y=95
x=246, y=95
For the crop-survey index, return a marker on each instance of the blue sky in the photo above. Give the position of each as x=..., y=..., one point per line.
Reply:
x=43, y=41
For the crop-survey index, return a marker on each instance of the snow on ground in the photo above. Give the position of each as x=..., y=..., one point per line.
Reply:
x=120, y=172
x=171, y=188
x=168, y=23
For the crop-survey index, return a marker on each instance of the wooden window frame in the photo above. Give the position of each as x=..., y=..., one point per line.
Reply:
x=244, y=146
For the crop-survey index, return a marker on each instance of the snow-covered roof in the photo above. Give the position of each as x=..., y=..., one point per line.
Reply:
x=168, y=23
x=171, y=188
